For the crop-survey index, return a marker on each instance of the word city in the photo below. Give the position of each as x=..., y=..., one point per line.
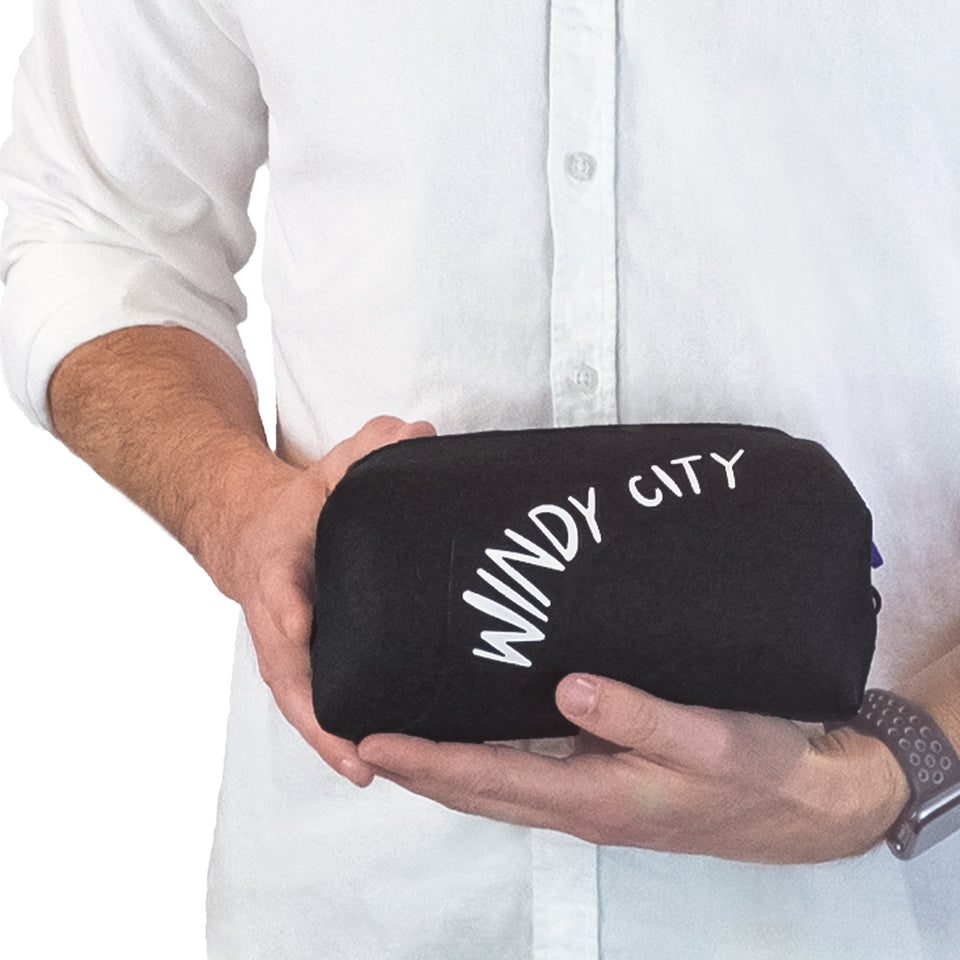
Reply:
x=523, y=604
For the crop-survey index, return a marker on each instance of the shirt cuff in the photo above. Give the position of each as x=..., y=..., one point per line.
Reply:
x=61, y=295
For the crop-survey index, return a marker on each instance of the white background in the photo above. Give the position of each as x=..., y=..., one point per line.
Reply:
x=115, y=653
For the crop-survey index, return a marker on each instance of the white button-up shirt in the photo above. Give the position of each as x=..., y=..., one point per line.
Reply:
x=491, y=213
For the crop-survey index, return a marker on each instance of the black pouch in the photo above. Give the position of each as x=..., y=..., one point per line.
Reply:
x=459, y=578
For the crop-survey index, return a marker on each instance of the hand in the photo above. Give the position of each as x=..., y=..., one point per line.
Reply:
x=653, y=774
x=271, y=576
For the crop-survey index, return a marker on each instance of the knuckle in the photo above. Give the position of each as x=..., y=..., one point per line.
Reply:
x=382, y=427
x=272, y=577
x=464, y=803
x=422, y=428
x=490, y=783
x=297, y=621
x=720, y=747
x=283, y=596
x=646, y=725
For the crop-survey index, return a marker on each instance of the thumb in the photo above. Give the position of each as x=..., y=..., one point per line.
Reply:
x=669, y=734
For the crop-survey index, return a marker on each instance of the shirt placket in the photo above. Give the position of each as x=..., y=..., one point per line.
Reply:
x=583, y=365
x=581, y=175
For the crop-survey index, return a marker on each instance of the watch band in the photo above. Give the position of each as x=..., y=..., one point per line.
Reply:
x=929, y=761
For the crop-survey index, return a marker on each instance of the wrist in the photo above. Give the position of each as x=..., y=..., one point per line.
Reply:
x=243, y=481
x=865, y=790
x=926, y=756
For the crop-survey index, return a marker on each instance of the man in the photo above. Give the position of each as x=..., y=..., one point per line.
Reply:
x=495, y=214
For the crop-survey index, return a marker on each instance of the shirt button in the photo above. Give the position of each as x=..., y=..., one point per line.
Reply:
x=580, y=166
x=586, y=379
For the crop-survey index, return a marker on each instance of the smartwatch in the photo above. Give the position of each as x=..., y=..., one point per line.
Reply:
x=929, y=761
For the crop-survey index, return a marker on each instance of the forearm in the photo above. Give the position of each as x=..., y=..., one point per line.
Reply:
x=167, y=418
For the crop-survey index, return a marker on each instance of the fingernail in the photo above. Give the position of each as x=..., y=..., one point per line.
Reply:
x=579, y=696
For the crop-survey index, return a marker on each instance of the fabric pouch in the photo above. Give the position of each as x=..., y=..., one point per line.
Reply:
x=459, y=578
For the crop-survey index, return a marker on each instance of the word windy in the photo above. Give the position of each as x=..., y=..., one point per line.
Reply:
x=522, y=604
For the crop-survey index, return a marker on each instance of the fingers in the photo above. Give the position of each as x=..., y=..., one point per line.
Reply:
x=281, y=625
x=295, y=697
x=376, y=433
x=278, y=608
x=277, y=584
x=295, y=702
x=499, y=782
x=284, y=589
x=290, y=686
x=672, y=735
x=595, y=797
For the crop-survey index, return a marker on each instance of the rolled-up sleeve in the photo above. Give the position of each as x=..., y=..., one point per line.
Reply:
x=138, y=129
